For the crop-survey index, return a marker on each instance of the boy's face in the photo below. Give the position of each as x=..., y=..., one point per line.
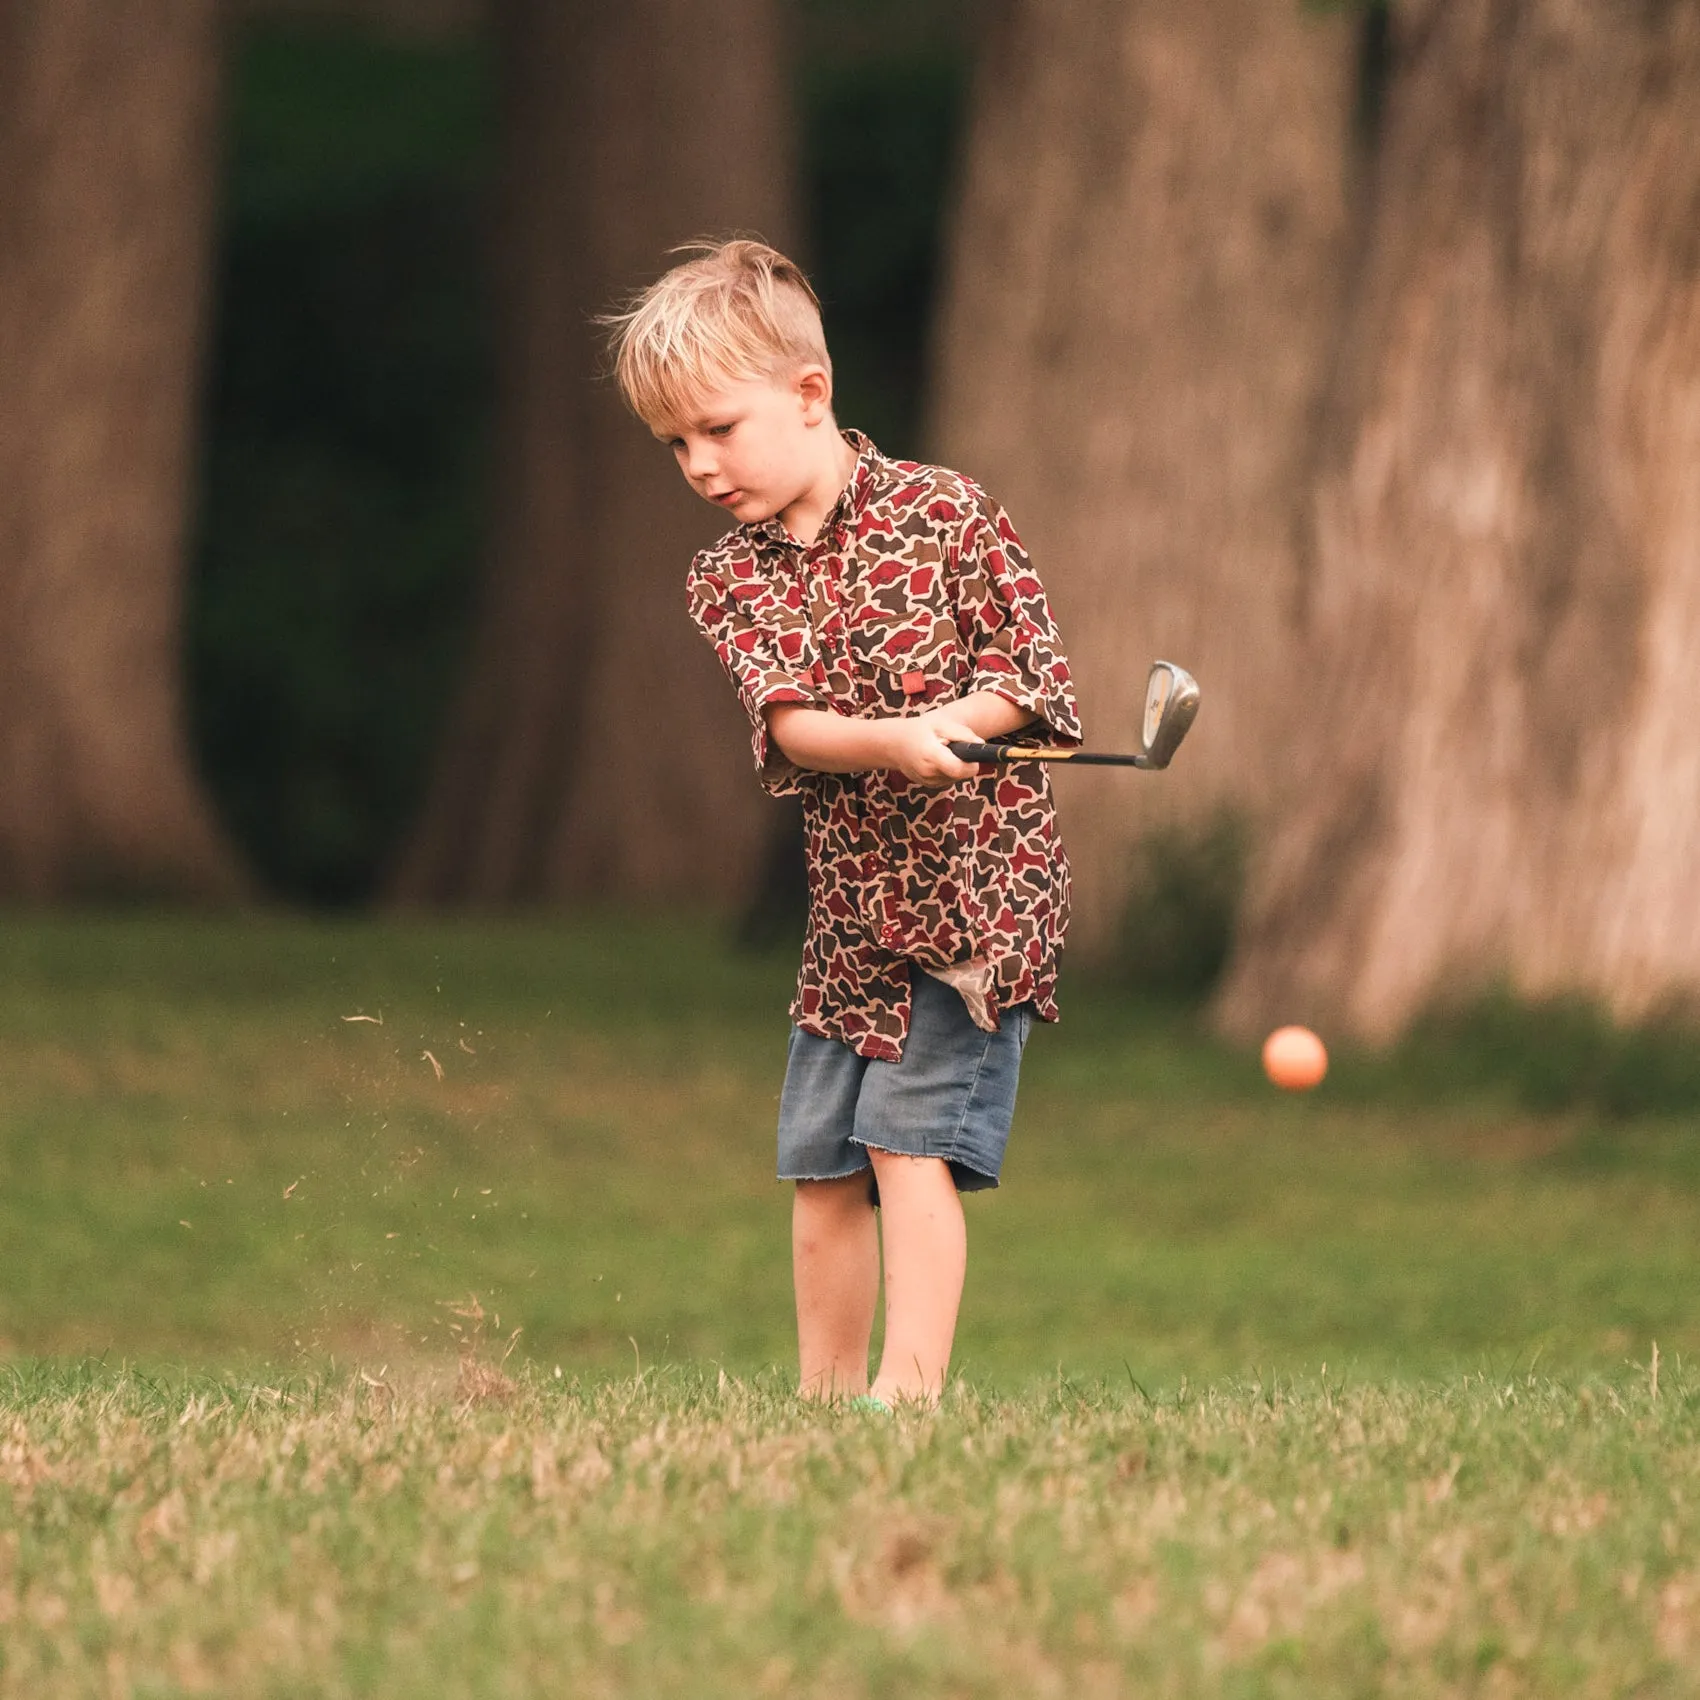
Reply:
x=754, y=446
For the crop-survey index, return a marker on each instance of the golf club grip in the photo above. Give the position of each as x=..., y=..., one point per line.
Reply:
x=1003, y=754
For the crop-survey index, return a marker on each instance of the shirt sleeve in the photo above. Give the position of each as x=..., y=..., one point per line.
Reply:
x=759, y=672
x=1006, y=623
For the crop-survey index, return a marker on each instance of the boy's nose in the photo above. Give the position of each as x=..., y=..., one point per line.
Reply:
x=699, y=462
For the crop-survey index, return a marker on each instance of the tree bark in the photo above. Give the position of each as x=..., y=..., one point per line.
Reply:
x=1503, y=590
x=107, y=164
x=597, y=752
x=1144, y=280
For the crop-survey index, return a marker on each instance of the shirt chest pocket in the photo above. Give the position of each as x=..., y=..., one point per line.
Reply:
x=910, y=665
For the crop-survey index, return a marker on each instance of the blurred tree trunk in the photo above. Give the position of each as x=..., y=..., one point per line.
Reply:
x=1144, y=281
x=108, y=156
x=597, y=750
x=1504, y=583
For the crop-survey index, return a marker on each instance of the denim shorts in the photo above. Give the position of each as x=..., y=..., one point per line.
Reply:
x=952, y=1095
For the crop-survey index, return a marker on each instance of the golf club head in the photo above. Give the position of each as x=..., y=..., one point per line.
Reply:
x=1171, y=706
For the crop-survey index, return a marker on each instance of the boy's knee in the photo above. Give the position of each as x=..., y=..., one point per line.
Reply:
x=903, y=1162
x=842, y=1193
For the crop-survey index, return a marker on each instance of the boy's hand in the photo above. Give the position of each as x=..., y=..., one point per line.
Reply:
x=920, y=746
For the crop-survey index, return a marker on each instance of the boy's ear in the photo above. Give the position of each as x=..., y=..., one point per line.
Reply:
x=814, y=391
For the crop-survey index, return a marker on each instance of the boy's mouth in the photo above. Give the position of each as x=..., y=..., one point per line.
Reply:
x=728, y=498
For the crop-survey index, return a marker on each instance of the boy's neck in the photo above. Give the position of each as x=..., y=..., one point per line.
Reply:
x=804, y=517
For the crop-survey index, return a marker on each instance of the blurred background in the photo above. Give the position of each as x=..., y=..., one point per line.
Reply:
x=378, y=232
x=1347, y=354
x=347, y=483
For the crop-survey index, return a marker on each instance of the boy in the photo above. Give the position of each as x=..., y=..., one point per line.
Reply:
x=868, y=612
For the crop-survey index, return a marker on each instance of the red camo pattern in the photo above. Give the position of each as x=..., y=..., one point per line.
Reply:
x=916, y=592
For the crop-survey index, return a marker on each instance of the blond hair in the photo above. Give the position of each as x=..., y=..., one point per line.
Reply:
x=736, y=309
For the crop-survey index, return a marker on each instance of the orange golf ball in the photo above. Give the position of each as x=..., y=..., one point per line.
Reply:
x=1294, y=1058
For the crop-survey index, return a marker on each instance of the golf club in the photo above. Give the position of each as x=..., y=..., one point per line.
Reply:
x=1171, y=706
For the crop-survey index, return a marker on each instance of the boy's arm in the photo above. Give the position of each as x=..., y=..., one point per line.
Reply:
x=763, y=676
x=915, y=744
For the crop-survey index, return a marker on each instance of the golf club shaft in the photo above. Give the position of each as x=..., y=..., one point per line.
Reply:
x=1003, y=754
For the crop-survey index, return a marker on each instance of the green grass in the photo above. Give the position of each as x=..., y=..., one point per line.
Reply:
x=203, y=1159
x=1347, y=1394
x=696, y=1535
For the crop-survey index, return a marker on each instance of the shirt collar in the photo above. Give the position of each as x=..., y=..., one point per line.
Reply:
x=852, y=499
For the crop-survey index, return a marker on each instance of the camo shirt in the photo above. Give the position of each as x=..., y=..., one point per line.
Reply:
x=917, y=592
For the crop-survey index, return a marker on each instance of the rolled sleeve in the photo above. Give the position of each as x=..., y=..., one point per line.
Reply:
x=758, y=673
x=1006, y=623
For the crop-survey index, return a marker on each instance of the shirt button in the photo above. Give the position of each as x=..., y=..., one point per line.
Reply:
x=889, y=937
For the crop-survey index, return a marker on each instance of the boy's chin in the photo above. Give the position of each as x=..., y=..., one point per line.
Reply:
x=750, y=511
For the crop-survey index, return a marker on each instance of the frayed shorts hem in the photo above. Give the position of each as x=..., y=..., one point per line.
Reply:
x=966, y=1176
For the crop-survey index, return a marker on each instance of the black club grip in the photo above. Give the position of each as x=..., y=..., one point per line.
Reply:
x=980, y=752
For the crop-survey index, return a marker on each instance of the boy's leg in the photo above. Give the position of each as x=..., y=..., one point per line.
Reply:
x=835, y=1261
x=926, y=1258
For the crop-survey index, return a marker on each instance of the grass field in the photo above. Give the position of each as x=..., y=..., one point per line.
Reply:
x=1342, y=1395
x=681, y=1536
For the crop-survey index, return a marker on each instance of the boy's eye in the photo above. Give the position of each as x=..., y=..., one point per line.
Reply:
x=720, y=430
